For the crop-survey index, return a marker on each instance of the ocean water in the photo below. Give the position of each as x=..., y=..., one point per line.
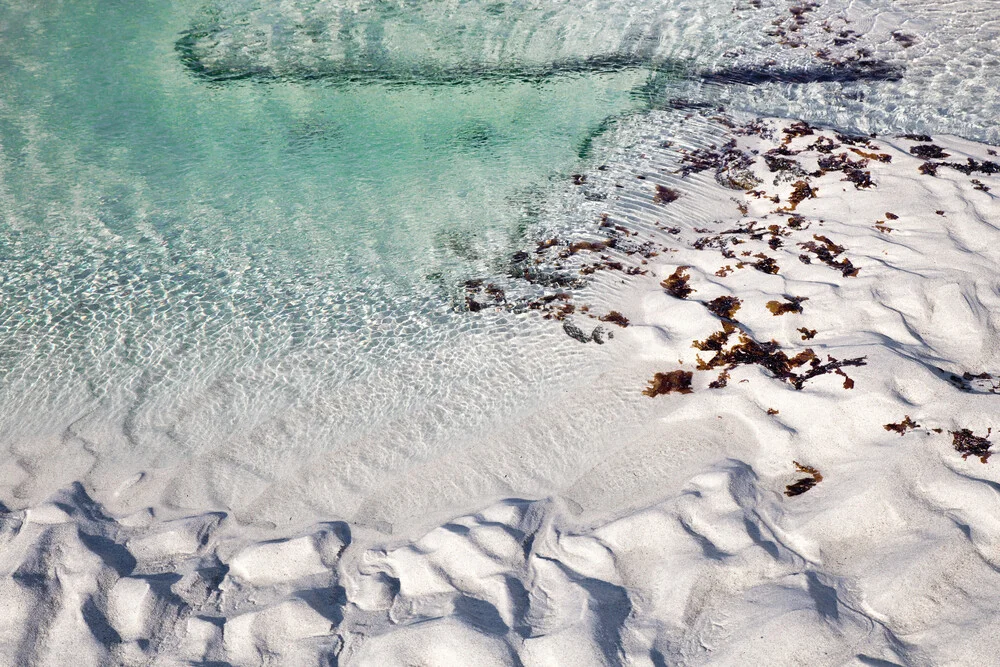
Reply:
x=234, y=234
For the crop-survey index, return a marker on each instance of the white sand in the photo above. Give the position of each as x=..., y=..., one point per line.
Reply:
x=678, y=544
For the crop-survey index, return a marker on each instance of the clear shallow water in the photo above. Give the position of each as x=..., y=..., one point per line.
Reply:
x=243, y=276
x=188, y=266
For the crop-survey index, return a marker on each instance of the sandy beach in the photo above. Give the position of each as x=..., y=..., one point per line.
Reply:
x=717, y=388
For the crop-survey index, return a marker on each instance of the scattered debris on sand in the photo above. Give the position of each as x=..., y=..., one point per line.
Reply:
x=676, y=283
x=792, y=304
x=902, y=427
x=802, y=485
x=667, y=383
x=968, y=444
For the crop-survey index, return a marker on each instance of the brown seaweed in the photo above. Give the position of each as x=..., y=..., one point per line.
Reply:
x=766, y=265
x=770, y=357
x=902, y=427
x=802, y=485
x=614, y=317
x=676, y=283
x=793, y=304
x=928, y=152
x=667, y=383
x=801, y=190
x=968, y=444
x=724, y=306
x=828, y=253
x=665, y=195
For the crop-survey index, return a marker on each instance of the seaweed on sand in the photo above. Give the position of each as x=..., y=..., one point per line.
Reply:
x=665, y=195
x=802, y=485
x=676, y=283
x=724, y=306
x=770, y=357
x=667, y=383
x=928, y=152
x=827, y=252
x=614, y=317
x=801, y=190
x=968, y=444
x=766, y=265
x=902, y=427
x=793, y=304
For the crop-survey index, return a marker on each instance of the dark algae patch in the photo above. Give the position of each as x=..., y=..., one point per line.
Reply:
x=807, y=334
x=614, y=317
x=929, y=152
x=982, y=383
x=902, y=427
x=667, y=383
x=802, y=485
x=796, y=370
x=801, y=191
x=665, y=195
x=724, y=306
x=968, y=444
x=827, y=252
x=676, y=283
x=792, y=304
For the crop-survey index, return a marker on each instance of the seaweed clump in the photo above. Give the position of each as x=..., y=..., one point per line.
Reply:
x=770, y=357
x=802, y=485
x=667, y=383
x=614, y=317
x=676, y=283
x=724, y=306
x=665, y=195
x=929, y=152
x=968, y=444
x=902, y=427
x=976, y=382
x=827, y=252
x=801, y=191
x=793, y=304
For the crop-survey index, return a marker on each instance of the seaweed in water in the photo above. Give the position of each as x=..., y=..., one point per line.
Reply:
x=676, y=283
x=793, y=304
x=724, y=306
x=807, y=334
x=902, y=427
x=667, y=383
x=665, y=195
x=967, y=444
x=804, y=484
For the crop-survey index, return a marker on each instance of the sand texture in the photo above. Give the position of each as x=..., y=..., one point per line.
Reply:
x=810, y=336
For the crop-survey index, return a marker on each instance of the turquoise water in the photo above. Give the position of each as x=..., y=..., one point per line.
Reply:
x=186, y=260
